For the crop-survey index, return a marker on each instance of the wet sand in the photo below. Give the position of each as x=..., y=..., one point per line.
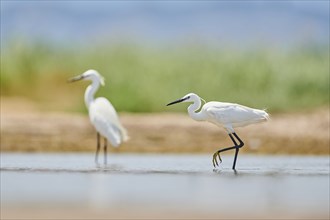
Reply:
x=153, y=186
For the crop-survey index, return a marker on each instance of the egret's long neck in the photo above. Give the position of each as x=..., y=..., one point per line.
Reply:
x=198, y=116
x=90, y=92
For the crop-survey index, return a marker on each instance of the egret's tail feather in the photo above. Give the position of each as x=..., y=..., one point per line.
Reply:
x=261, y=115
x=124, y=134
x=125, y=137
x=265, y=115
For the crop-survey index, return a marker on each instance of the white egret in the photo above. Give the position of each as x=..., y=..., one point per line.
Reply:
x=226, y=115
x=102, y=114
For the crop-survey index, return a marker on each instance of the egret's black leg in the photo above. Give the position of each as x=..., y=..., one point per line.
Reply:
x=232, y=139
x=236, y=147
x=235, y=158
x=225, y=149
x=97, y=147
x=236, y=151
x=105, y=150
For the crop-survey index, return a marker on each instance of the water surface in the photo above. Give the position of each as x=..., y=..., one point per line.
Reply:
x=158, y=186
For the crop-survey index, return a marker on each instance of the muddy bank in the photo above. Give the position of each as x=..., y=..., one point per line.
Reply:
x=25, y=128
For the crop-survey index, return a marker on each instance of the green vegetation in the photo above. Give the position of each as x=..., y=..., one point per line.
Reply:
x=141, y=79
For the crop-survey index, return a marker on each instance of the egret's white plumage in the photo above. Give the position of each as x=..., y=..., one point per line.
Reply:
x=105, y=120
x=223, y=114
x=230, y=115
x=102, y=114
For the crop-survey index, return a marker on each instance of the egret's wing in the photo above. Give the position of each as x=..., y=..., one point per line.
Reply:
x=235, y=114
x=104, y=117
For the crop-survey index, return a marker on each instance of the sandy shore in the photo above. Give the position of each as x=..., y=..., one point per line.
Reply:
x=25, y=128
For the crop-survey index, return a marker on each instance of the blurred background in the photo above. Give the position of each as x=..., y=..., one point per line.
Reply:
x=271, y=55
x=263, y=54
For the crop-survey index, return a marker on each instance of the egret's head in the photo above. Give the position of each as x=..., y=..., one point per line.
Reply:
x=92, y=75
x=191, y=97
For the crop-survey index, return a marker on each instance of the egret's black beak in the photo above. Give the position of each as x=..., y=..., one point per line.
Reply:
x=76, y=78
x=178, y=101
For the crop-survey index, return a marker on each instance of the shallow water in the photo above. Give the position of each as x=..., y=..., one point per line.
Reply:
x=155, y=186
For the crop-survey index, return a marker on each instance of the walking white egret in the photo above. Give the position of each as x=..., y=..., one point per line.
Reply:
x=226, y=115
x=102, y=114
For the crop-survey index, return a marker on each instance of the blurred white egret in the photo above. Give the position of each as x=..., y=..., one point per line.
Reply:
x=101, y=114
x=226, y=115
